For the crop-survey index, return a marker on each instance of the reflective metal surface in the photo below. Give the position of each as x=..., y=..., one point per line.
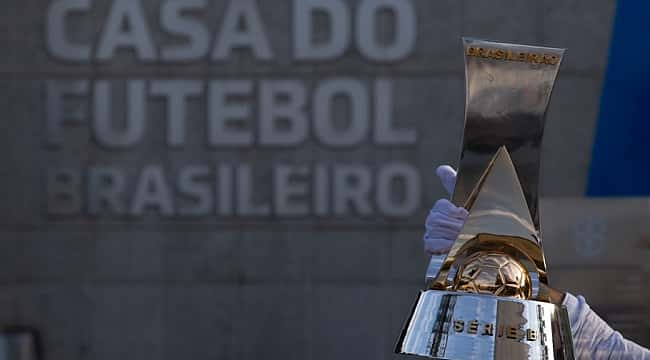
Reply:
x=449, y=325
x=506, y=100
x=491, y=272
x=508, y=87
x=485, y=298
x=498, y=222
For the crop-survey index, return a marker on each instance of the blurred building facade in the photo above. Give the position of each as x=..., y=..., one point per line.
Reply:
x=249, y=179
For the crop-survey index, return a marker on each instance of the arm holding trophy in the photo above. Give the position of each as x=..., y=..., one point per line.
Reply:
x=593, y=338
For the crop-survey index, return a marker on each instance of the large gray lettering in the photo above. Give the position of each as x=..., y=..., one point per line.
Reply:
x=246, y=205
x=232, y=36
x=57, y=40
x=290, y=196
x=105, y=189
x=303, y=29
x=387, y=202
x=352, y=188
x=104, y=129
x=402, y=43
x=176, y=93
x=291, y=111
x=152, y=191
x=359, y=119
x=226, y=120
x=191, y=183
x=57, y=113
x=64, y=192
x=385, y=132
x=174, y=22
x=135, y=36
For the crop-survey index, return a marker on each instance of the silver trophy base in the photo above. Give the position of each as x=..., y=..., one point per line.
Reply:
x=452, y=325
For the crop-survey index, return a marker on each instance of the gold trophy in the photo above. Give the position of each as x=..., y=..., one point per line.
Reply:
x=487, y=298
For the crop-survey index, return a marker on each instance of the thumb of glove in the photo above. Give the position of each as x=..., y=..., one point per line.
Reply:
x=447, y=176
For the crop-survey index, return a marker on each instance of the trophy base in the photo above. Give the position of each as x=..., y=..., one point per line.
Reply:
x=453, y=325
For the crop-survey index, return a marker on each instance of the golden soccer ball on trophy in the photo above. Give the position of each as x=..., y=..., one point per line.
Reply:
x=493, y=273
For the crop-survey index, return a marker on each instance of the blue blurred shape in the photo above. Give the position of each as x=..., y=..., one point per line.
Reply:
x=620, y=164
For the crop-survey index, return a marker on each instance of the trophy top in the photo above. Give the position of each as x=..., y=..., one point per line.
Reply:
x=508, y=88
x=469, y=41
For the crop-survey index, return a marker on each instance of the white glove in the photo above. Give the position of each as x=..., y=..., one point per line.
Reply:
x=445, y=219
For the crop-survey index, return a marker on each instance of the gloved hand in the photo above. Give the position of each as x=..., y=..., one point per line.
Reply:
x=445, y=219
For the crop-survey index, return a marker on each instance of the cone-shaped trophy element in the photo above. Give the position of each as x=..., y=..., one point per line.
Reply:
x=498, y=221
x=485, y=299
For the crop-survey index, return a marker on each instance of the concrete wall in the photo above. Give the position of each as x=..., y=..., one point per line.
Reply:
x=273, y=287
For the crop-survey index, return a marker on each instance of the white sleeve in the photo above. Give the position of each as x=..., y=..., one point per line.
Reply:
x=593, y=338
